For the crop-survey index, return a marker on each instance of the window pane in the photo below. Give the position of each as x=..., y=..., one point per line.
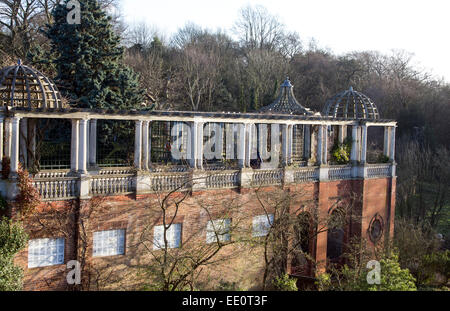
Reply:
x=173, y=235
x=109, y=243
x=262, y=224
x=45, y=252
x=218, y=228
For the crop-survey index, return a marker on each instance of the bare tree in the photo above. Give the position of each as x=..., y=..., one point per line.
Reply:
x=258, y=29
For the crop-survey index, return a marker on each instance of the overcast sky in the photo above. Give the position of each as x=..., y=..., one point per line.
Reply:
x=420, y=27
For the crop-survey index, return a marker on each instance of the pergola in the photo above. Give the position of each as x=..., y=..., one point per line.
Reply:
x=85, y=178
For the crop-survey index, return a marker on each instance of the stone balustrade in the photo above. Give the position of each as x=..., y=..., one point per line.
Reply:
x=109, y=185
x=339, y=172
x=223, y=179
x=57, y=188
x=59, y=185
x=379, y=170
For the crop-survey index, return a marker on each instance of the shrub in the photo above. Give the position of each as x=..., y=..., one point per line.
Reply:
x=28, y=198
x=285, y=284
x=341, y=152
x=12, y=239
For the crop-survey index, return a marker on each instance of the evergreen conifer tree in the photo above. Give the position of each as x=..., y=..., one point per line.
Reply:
x=88, y=60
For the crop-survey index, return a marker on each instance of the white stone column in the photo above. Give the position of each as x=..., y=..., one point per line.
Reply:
x=392, y=147
x=138, y=145
x=387, y=141
x=320, y=145
x=290, y=144
x=354, y=153
x=241, y=147
x=15, y=133
x=325, y=145
x=149, y=161
x=249, y=143
x=74, y=146
x=364, y=145
x=83, y=149
x=93, y=143
x=8, y=131
x=145, y=149
x=199, y=153
x=342, y=133
x=284, y=144
x=1, y=140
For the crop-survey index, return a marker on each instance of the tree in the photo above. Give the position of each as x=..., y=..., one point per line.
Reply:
x=353, y=276
x=12, y=239
x=178, y=267
x=90, y=71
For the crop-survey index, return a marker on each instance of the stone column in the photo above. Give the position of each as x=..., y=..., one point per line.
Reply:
x=93, y=143
x=145, y=139
x=138, y=145
x=285, y=144
x=249, y=143
x=15, y=132
x=342, y=133
x=149, y=161
x=74, y=145
x=364, y=145
x=23, y=137
x=387, y=138
x=83, y=150
x=8, y=131
x=1, y=140
x=325, y=145
x=320, y=145
x=196, y=159
x=290, y=144
x=241, y=148
x=392, y=145
x=354, y=154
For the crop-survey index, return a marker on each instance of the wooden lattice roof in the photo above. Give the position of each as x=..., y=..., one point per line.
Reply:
x=286, y=103
x=352, y=105
x=22, y=86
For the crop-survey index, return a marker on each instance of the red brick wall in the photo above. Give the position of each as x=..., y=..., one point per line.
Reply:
x=134, y=214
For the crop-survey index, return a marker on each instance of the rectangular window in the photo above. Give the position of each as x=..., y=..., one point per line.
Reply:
x=262, y=224
x=219, y=228
x=173, y=235
x=45, y=252
x=109, y=243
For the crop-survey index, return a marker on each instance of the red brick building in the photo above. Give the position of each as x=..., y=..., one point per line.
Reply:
x=108, y=215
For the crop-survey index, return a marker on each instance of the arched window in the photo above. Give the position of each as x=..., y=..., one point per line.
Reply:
x=302, y=242
x=335, y=236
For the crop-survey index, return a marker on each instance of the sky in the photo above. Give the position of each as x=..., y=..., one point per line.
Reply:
x=419, y=27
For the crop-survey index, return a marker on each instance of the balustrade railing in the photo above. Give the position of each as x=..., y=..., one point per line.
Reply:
x=306, y=174
x=378, y=170
x=225, y=179
x=339, y=172
x=60, y=185
x=108, y=185
x=169, y=182
x=267, y=177
x=60, y=188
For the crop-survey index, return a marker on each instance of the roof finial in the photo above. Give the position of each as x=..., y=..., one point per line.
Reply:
x=286, y=82
x=351, y=88
x=19, y=62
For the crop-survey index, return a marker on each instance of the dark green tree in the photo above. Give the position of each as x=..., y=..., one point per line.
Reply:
x=88, y=60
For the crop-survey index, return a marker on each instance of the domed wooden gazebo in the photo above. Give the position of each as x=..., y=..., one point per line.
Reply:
x=352, y=105
x=22, y=86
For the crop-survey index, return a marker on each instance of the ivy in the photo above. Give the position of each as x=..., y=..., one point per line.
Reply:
x=341, y=151
x=28, y=197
